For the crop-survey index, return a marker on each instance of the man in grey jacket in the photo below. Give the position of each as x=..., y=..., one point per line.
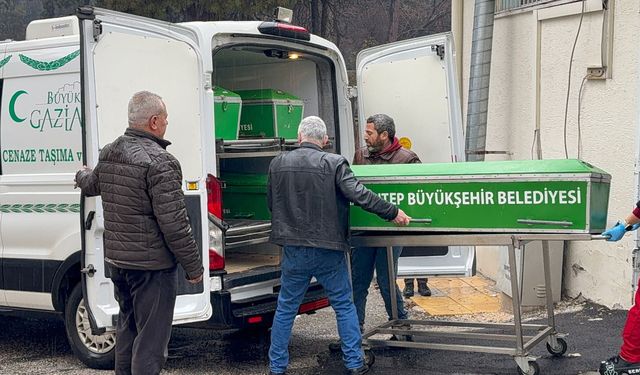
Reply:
x=309, y=194
x=147, y=233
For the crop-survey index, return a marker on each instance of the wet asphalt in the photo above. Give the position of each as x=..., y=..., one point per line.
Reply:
x=30, y=346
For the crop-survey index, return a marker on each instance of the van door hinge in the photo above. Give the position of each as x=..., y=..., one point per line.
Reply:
x=207, y=81
x=97, y=29
x=352, y=92
x=439, y=49
x=89, y=270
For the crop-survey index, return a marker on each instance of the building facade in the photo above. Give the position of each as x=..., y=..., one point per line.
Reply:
x=533, y=42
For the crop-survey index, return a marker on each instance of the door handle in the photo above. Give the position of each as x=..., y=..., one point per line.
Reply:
x=89, y=220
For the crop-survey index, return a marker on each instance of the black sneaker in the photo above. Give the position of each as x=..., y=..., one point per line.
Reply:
x=358, y=371
x=423, y=289
x=408, y=290
x=335, y=346
x=618, y=366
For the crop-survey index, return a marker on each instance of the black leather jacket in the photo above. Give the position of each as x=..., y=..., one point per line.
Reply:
x=309, y=191
x=145, y=217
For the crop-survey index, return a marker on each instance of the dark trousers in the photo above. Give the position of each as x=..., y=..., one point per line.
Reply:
x=146, y=300
x=363, y=261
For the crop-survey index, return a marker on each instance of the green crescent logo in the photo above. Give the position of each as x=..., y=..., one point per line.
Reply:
x=48, y=65
x=12, y=106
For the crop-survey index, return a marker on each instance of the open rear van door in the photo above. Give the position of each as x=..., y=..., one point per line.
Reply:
x=414, y=82
x=120, y=55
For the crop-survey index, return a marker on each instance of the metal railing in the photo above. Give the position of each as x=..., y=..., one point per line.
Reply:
x=511, y=5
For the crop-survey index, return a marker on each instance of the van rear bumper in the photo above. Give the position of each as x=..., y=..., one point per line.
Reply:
x=255, y=312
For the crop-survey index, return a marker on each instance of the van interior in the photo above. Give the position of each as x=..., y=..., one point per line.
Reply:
x=243, y=162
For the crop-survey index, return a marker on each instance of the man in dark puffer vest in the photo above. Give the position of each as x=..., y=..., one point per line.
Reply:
x=146, y=233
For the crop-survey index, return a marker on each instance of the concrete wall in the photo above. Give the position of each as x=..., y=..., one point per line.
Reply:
x=598, y=270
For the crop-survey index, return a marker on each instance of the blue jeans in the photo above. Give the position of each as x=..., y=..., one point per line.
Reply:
x=363, y=262
x=329, y=267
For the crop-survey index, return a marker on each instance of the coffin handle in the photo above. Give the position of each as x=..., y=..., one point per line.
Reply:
x=545, y=222
x=422, y=221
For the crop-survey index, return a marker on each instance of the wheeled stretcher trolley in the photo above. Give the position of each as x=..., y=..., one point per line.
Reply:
x=483, y=204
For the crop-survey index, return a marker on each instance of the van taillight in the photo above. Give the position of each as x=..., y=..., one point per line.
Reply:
x=313, y=306
x=214, y=196
x=216, y=261
x=284, y=29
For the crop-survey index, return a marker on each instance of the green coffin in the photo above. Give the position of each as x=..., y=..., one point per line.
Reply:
x=270, y=113
x=554, y=196
x=244, y=196
x=227, y=106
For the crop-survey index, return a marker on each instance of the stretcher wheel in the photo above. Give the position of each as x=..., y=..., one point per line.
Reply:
x=534, y=369
x=559, y=350
x=369, y=357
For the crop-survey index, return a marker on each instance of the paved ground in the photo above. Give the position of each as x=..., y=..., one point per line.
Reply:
x=459, y=296
x=40, y=347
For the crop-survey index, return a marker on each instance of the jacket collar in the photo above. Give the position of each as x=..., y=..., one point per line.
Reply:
x=310, y=145
x=143, y=134
x=386, y=156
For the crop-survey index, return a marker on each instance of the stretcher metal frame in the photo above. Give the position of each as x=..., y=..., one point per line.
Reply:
x=521, y=343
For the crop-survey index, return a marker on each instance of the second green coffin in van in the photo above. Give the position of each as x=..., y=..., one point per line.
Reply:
x=269, y=113
x=227, y=106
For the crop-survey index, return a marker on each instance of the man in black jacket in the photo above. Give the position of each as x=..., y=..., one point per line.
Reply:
x=146, y=233
x=309, y=194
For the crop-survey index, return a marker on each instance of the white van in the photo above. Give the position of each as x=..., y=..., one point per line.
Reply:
x=63, y=96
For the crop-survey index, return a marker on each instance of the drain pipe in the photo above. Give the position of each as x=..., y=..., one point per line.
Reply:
x=635, y=258
x=457, y=29
x=635, y=254
x=476, y=137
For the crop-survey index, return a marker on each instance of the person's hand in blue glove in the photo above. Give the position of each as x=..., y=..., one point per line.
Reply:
x=616, y=232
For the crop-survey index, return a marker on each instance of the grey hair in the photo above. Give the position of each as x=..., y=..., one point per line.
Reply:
x=142, y=106
x=383, y=123
x=312, y=128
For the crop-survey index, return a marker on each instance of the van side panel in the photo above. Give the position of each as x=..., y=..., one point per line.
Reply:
x=40, y=139
x=3, y=62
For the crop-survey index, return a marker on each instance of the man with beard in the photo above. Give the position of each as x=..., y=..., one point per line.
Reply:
x=382, y=147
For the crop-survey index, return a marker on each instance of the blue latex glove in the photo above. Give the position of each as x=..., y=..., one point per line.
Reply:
x=635, y=226
x=615, y=233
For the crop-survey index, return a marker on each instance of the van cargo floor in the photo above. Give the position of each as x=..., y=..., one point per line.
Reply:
x=239, y=262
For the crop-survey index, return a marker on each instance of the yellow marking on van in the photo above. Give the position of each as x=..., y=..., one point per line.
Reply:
x=192, y=185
